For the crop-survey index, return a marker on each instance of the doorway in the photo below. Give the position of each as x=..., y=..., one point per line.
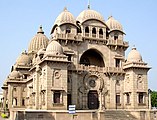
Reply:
x=93, y=102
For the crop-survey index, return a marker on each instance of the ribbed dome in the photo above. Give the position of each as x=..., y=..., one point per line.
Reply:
x=23, y=59
x=38, y=41
x=65, y=17
x=15, y=74
x=54, y=48
x=89, y=15
x=114, y=24
x=134, y=56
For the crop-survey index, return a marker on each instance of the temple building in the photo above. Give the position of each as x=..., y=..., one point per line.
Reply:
x=83, y=63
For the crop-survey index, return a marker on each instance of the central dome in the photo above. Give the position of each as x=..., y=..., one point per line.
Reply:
x=89, y=15
x=65, y=17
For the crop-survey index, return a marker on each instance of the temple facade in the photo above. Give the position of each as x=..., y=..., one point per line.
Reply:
x=83, y=63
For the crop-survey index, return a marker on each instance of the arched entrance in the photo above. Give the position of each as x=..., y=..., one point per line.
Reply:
x=92, y=57
x=93, y=102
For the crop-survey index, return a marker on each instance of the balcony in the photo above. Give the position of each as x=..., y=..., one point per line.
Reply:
x=69, y=36
x=81, y=67
x=118, y=43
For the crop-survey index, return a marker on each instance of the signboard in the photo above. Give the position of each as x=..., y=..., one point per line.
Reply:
x=72, y=109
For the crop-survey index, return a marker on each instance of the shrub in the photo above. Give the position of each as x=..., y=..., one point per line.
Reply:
x=3, y=115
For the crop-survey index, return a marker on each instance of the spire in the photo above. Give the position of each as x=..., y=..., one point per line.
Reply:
x=40, y=30
x=88, y=4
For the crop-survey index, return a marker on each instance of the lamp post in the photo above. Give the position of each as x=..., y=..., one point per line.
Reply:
x=149, y=98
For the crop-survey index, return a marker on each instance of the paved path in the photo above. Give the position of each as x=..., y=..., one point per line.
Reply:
x=3, y=118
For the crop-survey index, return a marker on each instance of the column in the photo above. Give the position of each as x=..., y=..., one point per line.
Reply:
x=97, y=32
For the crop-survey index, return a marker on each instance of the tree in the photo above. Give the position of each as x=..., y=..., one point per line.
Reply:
x=154, y=98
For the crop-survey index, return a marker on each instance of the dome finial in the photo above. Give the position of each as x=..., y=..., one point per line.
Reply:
x=110, y=17
x=133, y=48
x=88, y=4
x=40, y=30
x=65, y=8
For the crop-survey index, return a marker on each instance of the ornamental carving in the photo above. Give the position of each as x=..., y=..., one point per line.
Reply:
x=93, y=80
x=92, y=83
x=57, y=74
x=140, y=81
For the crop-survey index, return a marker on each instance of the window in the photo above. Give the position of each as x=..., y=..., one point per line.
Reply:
x=23, y=102
x=127, y=98
x=100, y=33
x=15, y=102
x=14, y=88
x=69, y=57
x=140, y=98
x=117, y=62
x=115, y=37
x=56, y=98
x=68, y=30
x=94, y=32
x=118, y=99
x=87, y=31
x=25, y=76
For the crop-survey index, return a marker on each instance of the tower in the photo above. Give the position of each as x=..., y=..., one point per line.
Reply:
x=136, y=82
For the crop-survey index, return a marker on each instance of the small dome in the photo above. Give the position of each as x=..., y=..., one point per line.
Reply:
x=134, y=56
x=15, y=74
x=54, y=48
x=89, y=15
x=38, y=41
x=114, y=24
x=65, y=17
x=23, y=59
x=5, y=82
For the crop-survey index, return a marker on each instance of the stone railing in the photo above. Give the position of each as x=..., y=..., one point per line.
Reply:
x=81, y=67
x=94, y=36
x=100, y=36
x=69, y=36
x=114, y=70
x=117, y=42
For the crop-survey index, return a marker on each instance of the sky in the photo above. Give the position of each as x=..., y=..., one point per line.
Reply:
x=20, y=20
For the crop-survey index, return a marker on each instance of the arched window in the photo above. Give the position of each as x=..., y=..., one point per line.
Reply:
x=23, y=102
x=15, y=102
x=100, y=33
x=87, y=31
x=116, y=36
x=94, y=32
x=127, y=98
x=68, y=30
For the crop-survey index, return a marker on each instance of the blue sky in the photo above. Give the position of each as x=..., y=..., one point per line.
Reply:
x=20, y=19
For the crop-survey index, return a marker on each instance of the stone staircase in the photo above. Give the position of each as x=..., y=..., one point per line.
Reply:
x=118, y=115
